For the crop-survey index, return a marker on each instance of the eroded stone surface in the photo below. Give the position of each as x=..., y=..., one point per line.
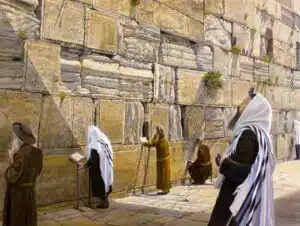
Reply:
x=194, y=122
x=159, y=115
x=175, y=128
x=215, y=7
x=11, y=75
x=117, y=6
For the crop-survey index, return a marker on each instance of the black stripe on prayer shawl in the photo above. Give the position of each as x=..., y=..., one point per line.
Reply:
x=255, y=186
x=107, y=152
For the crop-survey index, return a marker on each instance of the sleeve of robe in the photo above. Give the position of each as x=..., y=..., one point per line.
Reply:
x=153, y=142
x=93, y=159
x=238, y=166
x=14, y=171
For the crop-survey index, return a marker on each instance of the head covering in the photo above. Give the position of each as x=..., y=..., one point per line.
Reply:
x=203, y=153
x=160, y=131
x=253, y=203
x=24, y=133
x=296, y=132
x=99, y=142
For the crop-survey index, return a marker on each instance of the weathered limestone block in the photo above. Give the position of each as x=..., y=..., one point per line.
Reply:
x=116, y=6
x=204, y=57
x=246, y=68
x=177, y=52
x=261, y=70
x=235, y=10
x=101, y=31
x=83, y=117
x=175, y=128
x=138, y=41
x=193, y=9
x=290, y=116
x=18, y=107
x=229, y=113
x=297, y=21
x=296, y=79
x=275, y=126
x=194, y=123
x=169, y=20
x=214, y=129
x=218, y=31
x=69, y=27
x=16, y=24
x=288, y=98
x=252, y=43
x=189, y=85
x=164, y=84
x=56, y=122
x=297, y=97
x=283, y=32
x=287, y=16
x=274, y=96
x=212, y=114
x=134, y=116
x=70, y=70
x=284, y=54
x=11, y=75
x=267, y=25
x=100, y=76
x=214, y=7
x=159, y=115
x=222, y=61
x=239, y=91
x=273, y=7
x=42, y=66
x=284, y=146
x=111, y=119
x=239, y=33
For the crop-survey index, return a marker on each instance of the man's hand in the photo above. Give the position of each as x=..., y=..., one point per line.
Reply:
x=80, y=165
x=218, y=159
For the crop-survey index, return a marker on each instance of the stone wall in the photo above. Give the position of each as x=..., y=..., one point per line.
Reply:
x=69, y=64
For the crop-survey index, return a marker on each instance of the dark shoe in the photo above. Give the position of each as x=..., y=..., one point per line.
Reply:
x=163, y=193
x=104, y=204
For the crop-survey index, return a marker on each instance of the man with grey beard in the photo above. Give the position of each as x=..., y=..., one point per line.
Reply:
x=25, y=165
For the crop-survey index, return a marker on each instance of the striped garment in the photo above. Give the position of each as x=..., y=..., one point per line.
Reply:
x=253, y=204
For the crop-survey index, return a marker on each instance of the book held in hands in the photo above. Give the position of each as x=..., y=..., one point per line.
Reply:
x=76, y=157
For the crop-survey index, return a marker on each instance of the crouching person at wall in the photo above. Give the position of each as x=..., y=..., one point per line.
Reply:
x=100, y=165
x=25, y=166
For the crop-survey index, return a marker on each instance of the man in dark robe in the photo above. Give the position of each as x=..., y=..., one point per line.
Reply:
x=201, y=169
x=246, y=197
x=25, y=166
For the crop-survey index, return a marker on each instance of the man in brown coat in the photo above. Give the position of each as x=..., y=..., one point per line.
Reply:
x=25, y=166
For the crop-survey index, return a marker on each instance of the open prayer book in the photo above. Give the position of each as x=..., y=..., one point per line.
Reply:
x=76, y=157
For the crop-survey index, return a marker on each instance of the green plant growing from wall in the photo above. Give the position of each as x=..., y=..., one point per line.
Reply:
x=212, y=82
x=266, y=59
x=62, y=96
x=236, y=49
x=22, y=35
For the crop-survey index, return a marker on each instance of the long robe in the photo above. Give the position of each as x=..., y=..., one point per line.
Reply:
x=20, y=207
x=97, y=183
x=235, y=169
x=201, y=169
x=163, y=164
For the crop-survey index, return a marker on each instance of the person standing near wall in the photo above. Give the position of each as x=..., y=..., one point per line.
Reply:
x=26, y=162
x=163, y=164
x=296, y=136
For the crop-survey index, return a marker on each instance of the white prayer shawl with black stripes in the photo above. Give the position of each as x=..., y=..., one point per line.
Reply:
x=253, y=204
x=99, y=141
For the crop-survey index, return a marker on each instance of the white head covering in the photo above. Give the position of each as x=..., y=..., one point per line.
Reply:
x=99, y=142
x=296, y=132
x=253, y=203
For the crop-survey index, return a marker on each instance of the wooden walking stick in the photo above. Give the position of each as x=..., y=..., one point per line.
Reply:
x=137, y=169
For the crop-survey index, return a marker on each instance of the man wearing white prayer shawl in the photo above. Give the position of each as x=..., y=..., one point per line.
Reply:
x=296, y=135
x=246, y=168
x=100, y=164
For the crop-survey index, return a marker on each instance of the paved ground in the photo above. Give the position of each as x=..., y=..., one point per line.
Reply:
x=185, y=205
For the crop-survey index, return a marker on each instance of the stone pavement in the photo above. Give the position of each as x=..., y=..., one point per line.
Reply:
x=185, y=205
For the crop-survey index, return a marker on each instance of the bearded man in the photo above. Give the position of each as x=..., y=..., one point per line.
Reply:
x=245, y=170
x=25, y=166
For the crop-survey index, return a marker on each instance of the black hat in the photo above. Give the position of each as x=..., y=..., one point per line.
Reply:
x=23, y=132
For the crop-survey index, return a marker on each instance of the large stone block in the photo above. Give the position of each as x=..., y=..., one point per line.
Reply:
x=42, y=72
x=164, y=84
x=214, y=7
x=296, y=80
x=193, y=9
x=222, y=61
x=288, y=99
x=169, y=20
x=261, y=71
x=111, y=119
x=297, y=96
x=194, y=123
x=204, y=57
x=235, y=10
x=117, y=6
x=175, y=128
x=159, y=115
x=283, y=32
x=134, y=116
x=214, y=129
x=275, y=122
x=16, y=23
x=252, y=43
x=246, y=68
x=101, y=31
x=284, y=146
x=239, y=91
x=189, y=85
x=218, y=31
x=274, y=96
x=11, y=75
x=138, y=41
x=69, y=27
x=229, y=113
x=18, y=107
